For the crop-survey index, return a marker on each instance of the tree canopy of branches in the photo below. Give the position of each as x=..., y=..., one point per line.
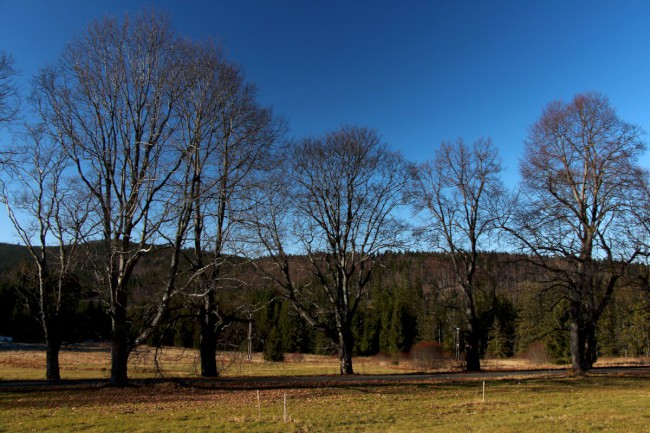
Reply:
x=9, y=100
x=578, y=209
x=460, y=193
x=44, y=207
x=228, y=137
x=108, y=103
x=336, y=206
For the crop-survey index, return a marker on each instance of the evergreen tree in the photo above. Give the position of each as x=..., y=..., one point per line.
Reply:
x=273, y=346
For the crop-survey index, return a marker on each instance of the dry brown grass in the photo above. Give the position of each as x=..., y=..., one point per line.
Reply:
x=93, y=361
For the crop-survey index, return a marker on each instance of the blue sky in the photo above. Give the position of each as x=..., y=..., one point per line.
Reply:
x=419, y=72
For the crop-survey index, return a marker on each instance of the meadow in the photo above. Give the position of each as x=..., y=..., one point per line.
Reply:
x=597, y=402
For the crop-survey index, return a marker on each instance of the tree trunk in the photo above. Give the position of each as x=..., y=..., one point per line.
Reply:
x=472, y=353
x=591, y=351
x=208, y=344
x=52, y=370
x=119, y=347
x=577, y=347
x=345, y=349
x=583, y=346
x=582, y=336
x=53, y=343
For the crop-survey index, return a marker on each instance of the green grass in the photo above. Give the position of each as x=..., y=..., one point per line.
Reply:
x=589, y=404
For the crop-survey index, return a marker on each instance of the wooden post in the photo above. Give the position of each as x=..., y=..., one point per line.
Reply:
x=285, y=407
x=259, y=406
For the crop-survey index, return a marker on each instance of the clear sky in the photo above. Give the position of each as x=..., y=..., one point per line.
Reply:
x=419, y=72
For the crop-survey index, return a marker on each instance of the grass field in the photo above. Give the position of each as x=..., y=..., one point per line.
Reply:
x=568, y=404
x=93, y=361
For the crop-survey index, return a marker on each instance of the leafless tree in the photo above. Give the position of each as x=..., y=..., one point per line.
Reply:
x=229, y=136
x=109, y=104
x=334, y=202
x=198, y=64
x=460, y=193
x=577, y=211
x=49, y=218
x=9, y=100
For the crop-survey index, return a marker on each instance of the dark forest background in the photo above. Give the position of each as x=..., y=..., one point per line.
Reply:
x=412, y=299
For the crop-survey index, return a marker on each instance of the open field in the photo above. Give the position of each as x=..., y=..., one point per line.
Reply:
x=92, y=361
x=567, y=404
x=598, y=402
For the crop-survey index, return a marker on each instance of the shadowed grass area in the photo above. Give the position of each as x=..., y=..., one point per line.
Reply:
x=593, y=403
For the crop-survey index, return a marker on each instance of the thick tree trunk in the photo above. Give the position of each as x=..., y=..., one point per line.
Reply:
x=119, y=347
x=208, y=343
x=472, y=353
x=53, y=343
x=52, y=369
x=577, y=348
x=583, y=346
x=345, y=349
x=591, y=350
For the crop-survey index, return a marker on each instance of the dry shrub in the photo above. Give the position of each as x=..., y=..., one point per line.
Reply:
x=427, y=355
x=294, y=357
x=536, y=353
x=383, y=358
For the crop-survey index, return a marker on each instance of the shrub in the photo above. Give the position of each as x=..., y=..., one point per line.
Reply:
x=426, y=355
x=294, y=357
x=536, y=353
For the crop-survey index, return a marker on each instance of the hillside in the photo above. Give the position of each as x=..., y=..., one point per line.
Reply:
x=412, y=297
x=11, y=255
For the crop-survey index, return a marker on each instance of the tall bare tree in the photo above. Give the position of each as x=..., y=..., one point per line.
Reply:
x=240, y=136
x=9, y=100
x=49, y=218
x=335, y=203
x=109, y=103
x=460, y=193
x=577, y=210
x=229, y=137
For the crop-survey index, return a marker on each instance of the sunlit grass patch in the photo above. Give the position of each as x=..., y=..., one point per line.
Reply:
x=593, y=403
x=92, y=361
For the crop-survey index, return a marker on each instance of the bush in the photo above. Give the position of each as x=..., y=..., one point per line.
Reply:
x=536, y=353
x=294, y=357
x=426, y=355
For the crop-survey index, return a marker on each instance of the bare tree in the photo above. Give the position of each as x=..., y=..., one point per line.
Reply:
x=194, y=110
x=109, y=104
x=49, y=218
x=229, y=136
x=577, y=210
x=9, y=100
x=460, y=193
x=335, y=204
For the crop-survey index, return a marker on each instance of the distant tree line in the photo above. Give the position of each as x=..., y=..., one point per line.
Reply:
x=406, y=304
x=159, y=202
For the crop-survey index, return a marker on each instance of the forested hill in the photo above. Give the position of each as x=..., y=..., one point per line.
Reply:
x=412, y=297
x=11, y=255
